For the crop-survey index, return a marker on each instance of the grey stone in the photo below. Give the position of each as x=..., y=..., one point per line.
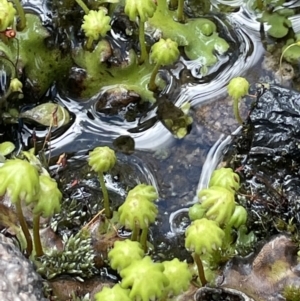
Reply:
x=18, y=279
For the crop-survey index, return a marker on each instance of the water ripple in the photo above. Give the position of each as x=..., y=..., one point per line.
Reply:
x=91, y=128
x=250, y=52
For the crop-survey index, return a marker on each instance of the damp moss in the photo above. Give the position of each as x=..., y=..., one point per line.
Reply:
x=76, y=259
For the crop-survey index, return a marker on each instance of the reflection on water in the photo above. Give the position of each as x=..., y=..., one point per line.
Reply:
x=172, y=165
x=213, y=159
x=90, y=129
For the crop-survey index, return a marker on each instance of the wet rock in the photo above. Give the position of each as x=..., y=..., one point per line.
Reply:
x=220, y=294
x=267, y=157
x=275, y=122
x=75, y=83
x=9, y=218
x=64, y=288
x=265, y=275
x=18, y=280
x=285, y=74
x=124, y=144
x=102, y=242
x=116, y=99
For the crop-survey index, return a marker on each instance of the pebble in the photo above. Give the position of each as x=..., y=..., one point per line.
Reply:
x=18, y=279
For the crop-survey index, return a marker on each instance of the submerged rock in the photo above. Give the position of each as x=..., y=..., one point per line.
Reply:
x=115, y=99
x=18, y=279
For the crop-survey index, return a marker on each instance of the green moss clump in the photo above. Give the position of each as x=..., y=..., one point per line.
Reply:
x=76, y=259
x=291, y=293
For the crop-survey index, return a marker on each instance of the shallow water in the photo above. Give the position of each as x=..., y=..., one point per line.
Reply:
x=173, y=166
x=91, y=129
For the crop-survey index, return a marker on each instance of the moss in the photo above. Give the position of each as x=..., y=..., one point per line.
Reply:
x=76, y=259
x=291, y=293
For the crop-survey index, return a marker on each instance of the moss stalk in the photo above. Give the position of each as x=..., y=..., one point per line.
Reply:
x=36, y=236
x=22, y=24
x=152, y=85
x=144, y=53
x=200, y=268
x=83, y=6
x=143, y=239
x=180, y=15
x=24, y=227
x=135, y=233
x=236, y=111
x=105, y=195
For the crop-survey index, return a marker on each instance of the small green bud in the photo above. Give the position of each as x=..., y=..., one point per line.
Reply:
x=207, y=29
x=226, y=178
x=164, y=52
x=204, y=236
x=102, y=159
x=16, y=85
x=181, y=133
x=185, y=107
x=196, y=212
x=238, y=87
x=96, y=23
x=7, y=14
x=144, y=9
x=123, y=254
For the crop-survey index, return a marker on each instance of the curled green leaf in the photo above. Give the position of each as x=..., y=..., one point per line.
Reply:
x=239, y=217
x=7, y=14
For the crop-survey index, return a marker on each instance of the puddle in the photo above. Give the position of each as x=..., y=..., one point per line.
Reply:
x=174, y=164
x=171, y=165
